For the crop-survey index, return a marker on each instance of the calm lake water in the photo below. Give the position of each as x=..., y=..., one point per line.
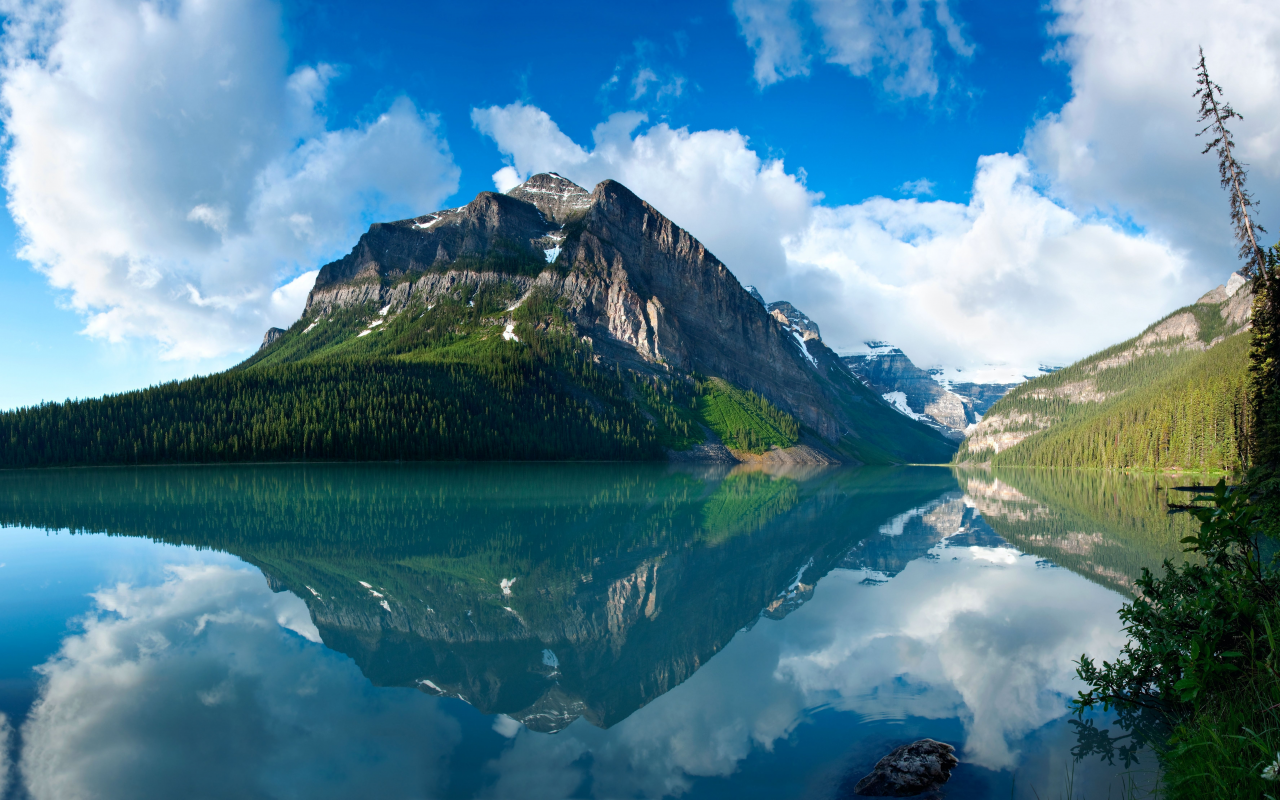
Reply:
x=599, y=630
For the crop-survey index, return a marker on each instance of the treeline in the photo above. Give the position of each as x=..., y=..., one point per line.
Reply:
x=517, y=404
x=1194, y=418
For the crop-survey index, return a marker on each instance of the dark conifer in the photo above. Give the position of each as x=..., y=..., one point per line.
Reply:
x=1217, y=112
x=1264, y=354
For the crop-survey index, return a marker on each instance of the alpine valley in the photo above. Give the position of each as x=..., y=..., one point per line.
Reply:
x=547, y=323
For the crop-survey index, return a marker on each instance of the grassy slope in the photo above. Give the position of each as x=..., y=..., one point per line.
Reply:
x=1163, y=411
x=744, y=420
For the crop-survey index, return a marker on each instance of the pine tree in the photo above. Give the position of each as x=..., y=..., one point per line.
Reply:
x=1264, y=355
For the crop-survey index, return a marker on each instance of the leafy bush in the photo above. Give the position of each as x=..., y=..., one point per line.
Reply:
x=1192, y=629
x=1199, y=636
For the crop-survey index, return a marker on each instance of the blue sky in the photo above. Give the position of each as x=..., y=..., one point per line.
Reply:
x=990, y=185
x=852, y=141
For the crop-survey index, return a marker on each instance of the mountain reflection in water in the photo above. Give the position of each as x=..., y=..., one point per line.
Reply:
x=545, y=593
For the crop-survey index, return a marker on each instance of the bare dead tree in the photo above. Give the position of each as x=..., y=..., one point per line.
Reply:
x=1217, y=112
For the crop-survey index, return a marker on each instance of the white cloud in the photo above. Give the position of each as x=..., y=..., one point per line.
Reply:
x=168, y=172
x=989, y=641
x=1125, y=142
x=201, y=681
x=1009, y=278
x=6, y=742
x=654, y=83
x=890, y=41
x=917, y=187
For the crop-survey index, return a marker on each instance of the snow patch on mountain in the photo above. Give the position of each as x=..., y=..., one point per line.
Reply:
x=899, y=401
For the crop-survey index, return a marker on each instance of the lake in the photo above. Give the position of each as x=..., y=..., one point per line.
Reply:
x=561, y=630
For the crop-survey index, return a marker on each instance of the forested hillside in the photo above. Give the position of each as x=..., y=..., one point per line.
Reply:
x=1174, y=398
x=446, y=385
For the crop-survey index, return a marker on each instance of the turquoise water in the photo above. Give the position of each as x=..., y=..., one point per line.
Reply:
x=591, y=630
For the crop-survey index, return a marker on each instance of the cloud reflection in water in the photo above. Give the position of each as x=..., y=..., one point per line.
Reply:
x=210, y=680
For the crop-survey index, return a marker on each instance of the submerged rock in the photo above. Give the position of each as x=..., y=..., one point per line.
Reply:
x=909, y=770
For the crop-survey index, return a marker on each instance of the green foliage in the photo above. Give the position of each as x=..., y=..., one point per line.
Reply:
x=1264, y=365
x=744, y=420
x=1200, y=629
x=1186, y=411
x=1223, y=751
x=542, y=305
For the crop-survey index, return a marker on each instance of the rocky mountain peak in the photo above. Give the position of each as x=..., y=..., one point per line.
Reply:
x=644, y=293
x=1223, y=293
x=924, y=395
x=1234, y=283
x=270, y=337
x=557, y=197
x=793, y=318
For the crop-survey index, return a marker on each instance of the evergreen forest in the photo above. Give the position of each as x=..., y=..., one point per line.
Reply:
x=1165, y=408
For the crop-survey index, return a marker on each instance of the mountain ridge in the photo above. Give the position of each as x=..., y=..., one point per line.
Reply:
x=1194, y=358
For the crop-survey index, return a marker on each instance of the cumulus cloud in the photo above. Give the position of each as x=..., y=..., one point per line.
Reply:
x=169, y=172
x=6, y=737
x=893, y=42
x=211, y=680
x=980, y=634
x=1011, y=277
x=1125, y=143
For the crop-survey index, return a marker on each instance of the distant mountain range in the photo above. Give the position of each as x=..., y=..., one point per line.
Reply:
x=550, y=322
x=1173, y=397
x=950, y=406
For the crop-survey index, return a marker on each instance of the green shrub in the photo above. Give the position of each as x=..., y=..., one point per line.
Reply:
x=1203, y=653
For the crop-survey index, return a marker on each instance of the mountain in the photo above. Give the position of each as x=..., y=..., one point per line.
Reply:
x=548, y=322
x=950, y=407
x=1173, y=397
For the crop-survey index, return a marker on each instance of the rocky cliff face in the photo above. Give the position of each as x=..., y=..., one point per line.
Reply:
x=644, y=292
x=794, y=319
x=270, y=337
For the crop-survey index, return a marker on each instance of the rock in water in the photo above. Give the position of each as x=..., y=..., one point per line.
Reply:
x=909, y=770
